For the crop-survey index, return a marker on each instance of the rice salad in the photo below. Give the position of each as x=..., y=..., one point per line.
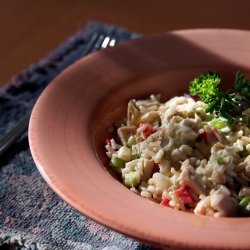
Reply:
x=181, y=156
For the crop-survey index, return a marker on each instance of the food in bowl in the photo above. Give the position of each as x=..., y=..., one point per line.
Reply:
x=191, y=153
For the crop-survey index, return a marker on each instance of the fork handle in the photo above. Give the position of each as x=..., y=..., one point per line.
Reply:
x=95, y=43
x=10, y=137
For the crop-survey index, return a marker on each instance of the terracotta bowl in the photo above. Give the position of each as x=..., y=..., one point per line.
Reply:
x=68, y=129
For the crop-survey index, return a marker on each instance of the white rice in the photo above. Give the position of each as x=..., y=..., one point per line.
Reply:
x=181, y=160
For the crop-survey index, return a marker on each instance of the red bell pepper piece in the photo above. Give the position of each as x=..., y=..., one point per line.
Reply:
x=149, y=129
x=184, y=196
x=195, y=98
x=213, y=134
x=208, y=137
x=156, y=169
x=203, y=137
x=107, y=141
x=165, y=202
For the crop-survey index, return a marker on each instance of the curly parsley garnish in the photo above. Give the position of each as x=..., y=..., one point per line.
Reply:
x=228, y=104
x=242, y=85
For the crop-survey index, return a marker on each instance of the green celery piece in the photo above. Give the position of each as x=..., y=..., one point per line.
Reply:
x=219, y=123
x=131, y=141
x=117, y=162
x=244, y=201
x=132, y=180
x=220, y=161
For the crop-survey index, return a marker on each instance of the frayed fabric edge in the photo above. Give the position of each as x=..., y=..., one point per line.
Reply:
x=23, y=242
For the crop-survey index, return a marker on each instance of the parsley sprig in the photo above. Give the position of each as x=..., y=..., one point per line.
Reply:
x=228, y=104
x=242, y=85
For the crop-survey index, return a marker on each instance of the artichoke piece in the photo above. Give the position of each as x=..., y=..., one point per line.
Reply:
x=134, y=114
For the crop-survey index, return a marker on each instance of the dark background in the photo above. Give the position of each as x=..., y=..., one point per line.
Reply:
x=30, y=29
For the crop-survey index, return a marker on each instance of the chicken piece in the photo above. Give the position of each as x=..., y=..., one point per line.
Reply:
x=218, y=204
x=223, y=203
x=161, y=182
x=247, y=160
x=245, y=191
x=203, y=207
x=147, y=169
x=189, y=178
x=246, y=166
x=184, y=131
x=151, y=117
x=125, y=132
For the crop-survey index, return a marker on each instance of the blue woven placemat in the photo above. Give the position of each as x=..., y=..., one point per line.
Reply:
x=32, y=216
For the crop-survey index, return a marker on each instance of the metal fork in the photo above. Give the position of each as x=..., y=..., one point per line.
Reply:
x=96, y=42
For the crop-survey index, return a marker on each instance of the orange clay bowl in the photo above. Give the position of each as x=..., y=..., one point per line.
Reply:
x=68, y=129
